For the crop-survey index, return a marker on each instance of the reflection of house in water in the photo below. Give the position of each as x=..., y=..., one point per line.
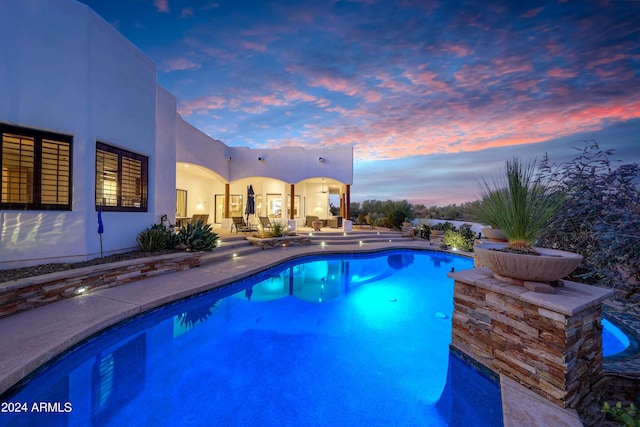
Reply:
x=439, y=259
x=322, y=281
x=118, y=376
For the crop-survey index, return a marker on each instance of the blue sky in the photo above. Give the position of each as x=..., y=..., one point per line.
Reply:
x=432, y=94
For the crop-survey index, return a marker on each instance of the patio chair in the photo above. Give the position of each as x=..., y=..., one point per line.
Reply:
x=265, y=223
x=204, y=218
x=240, y=225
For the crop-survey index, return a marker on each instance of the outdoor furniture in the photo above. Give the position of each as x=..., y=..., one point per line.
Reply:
x=310, y=219
x=240, y=225
x=182, y=221
x=335, y=223
x=204, y=218
x=364, y=223
x=265, y=223
x=316, y=225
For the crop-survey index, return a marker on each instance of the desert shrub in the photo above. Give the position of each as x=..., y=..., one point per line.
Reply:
x=396, y=218
x=278, y=228
x=425, y=232
x=521, y=204
x=157, y=237
x=461, y=239
x=198, y=236
x=600, y=218
x=152, y=240
x=626, y=416
x=444, y=226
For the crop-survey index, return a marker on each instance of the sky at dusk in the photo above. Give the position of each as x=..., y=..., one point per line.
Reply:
x=431, y=94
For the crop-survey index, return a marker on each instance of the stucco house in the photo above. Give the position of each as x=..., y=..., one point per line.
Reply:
x=84, y=123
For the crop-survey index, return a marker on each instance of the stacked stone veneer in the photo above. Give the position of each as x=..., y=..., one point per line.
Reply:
x=25, y=294
x=550, y=343
x=278, y=242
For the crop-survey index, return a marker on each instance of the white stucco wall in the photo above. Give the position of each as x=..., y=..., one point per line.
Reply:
x=64, y=69
x=292, y=164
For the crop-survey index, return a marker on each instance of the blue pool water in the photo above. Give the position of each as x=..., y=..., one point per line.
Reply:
x=337, y=341
x=614, y=341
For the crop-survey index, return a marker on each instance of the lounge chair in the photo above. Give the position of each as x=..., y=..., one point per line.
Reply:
x=362, y=223
x=204, y=218
x=265, y=223
x=240, y=225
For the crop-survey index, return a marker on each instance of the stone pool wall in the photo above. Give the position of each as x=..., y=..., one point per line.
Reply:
x=550, y=343
x=26, y=294
x=278, y=242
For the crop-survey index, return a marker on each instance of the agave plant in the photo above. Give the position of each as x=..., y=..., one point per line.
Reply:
x=198, y=236
x=521, y=205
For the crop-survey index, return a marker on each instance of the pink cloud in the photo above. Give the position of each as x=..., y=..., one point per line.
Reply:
x=335, y=84
x=428, y=79
x=458, y=50
x=561, y=73
x=161, y=5
x=180, y=64
x=531, y=13
x=186, y=12
x=259, y=47
x=201, y=105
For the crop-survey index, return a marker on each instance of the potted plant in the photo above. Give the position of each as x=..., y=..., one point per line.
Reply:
x=521, y=206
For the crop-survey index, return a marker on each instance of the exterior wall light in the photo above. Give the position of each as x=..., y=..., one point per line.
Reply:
x=261, y=159
x=321, y=159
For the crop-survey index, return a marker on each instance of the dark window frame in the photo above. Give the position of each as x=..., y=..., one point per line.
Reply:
x=36, y=177
x=144, y=179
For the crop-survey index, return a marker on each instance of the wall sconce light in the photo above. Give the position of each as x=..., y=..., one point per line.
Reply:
x=228, y=158
x=261, y=159
x=321, y=159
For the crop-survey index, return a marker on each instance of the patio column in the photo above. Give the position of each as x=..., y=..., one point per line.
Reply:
x=347, y=214
x=292, y=201
x=227, y=200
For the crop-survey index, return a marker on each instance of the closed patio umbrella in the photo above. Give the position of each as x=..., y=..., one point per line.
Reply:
x=251, y=203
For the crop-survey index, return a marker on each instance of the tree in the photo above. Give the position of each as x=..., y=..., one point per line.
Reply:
x=600, y=218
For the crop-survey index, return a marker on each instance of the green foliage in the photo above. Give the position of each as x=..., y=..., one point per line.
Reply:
x=629, y=416
x=198, y=236
x=152, y=240
x=425, y=232
x=461, y=239
x=379, y=211
x=334, y=210
x=444, y=226
x=521, y=204
x=157, y=237
x=278, y=228
x=396, y=218
x=600, y=219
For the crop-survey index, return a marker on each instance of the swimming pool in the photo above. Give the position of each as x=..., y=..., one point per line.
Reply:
x=341, y=340
x=614, y=341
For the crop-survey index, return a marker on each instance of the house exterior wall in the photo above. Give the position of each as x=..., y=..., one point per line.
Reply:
x=64, y=69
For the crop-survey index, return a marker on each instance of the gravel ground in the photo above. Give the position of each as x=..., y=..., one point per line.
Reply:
x=36, y=270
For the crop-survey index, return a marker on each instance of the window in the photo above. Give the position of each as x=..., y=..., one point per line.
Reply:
x=181, y=203
x=121, y=179
x=36, y=169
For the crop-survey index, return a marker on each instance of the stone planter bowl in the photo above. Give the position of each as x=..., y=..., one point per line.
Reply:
x=549, y=266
